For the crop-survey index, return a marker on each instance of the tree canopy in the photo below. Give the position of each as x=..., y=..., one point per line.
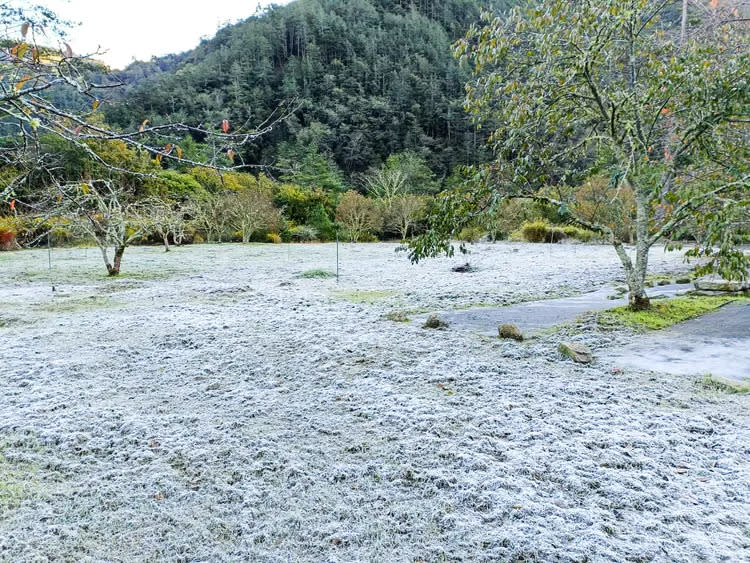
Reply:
x=615, y=88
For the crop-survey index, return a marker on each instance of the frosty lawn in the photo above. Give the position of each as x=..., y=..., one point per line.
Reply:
x=216, y=405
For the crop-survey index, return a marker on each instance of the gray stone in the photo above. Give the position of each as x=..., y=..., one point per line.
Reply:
x=717, y=284
x=576, y=351
x=510, y=331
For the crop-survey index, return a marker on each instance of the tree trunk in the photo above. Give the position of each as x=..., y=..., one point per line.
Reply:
x=166, y=242
x=114, y=270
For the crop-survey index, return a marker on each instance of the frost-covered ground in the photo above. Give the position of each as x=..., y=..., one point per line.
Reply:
x=212, y=405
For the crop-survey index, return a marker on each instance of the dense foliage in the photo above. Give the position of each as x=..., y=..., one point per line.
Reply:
x=376, y=78
x=621, y=90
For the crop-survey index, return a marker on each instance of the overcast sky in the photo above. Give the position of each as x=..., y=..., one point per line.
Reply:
x=140, y=29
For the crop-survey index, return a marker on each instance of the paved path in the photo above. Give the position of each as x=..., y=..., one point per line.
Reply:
x=534, y=316
x=717, y=343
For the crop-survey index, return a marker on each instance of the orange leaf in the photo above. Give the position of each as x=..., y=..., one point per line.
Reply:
x=225, y=126
x=714, y=4
x=12, y=204
x=665, y=111
x=143, y=125
x=78, y=130
x=179, y=152
x=230, y=155
x=168, y=148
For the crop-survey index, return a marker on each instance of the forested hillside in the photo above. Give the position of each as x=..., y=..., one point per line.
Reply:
x=375, y=78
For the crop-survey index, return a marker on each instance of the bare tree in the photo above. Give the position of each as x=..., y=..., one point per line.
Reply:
x=163, y=218
x=210, y=215
x=357, y=214
x=404, y=213
x=102, y=211
x=251, y=210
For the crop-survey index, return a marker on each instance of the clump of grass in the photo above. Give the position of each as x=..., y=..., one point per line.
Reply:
x=397, y=317
x=365, y=296
x=16, y=483
x=542, y=231
x=76, y=304
x=715, y=383
x=316, y=274
x=665, y=313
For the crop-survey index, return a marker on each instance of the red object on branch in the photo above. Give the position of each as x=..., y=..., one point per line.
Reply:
x=12, y=204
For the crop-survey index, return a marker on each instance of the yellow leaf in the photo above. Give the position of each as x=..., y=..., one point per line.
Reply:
x=168, y=148
x=85, y=188
x=20, y=50
x=158, y=158
x=179, y=152
x=143, y=125
x=95, y=105
x=21, y=82
x=230, y=155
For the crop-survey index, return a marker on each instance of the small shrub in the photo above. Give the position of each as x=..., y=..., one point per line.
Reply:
x=367, y=237
x=577, y=233
x=303, y=233
x=273, y=238
x=541, y=231
x=471, y=234
x=9, y=229
x=317, y=274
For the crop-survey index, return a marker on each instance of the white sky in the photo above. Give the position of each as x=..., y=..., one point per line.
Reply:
x=140, y=29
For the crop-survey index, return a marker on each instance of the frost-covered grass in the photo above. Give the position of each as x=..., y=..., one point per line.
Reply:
x=234, y=411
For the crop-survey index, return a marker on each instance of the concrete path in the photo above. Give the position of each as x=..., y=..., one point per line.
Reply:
x=534, y=316
x=716, y=344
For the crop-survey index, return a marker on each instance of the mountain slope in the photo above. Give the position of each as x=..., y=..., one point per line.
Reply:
x=376, y=77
